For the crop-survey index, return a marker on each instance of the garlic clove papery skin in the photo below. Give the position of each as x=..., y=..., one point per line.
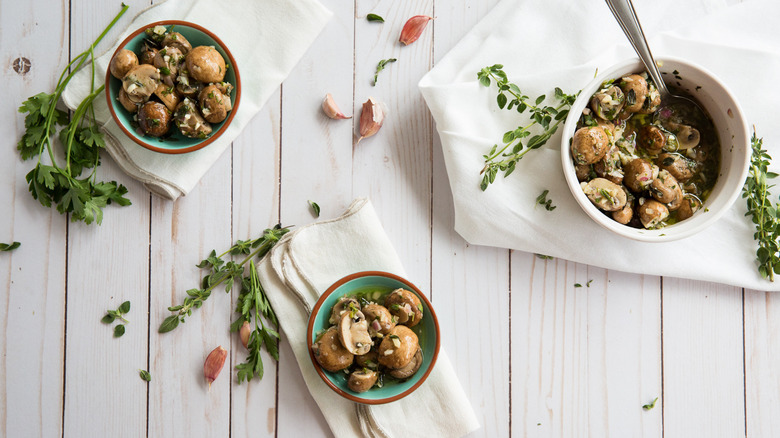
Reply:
x=371, y=118
x=332, y=110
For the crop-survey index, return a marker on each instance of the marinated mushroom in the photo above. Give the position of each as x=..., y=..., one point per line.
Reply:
x=625, y=214
x=380, y=320
x=666, y=189
x=651, y=139
x=604, y=194
x=681, y=168
x=353, y=332
x=652, y=213
x=652, y=101
x=187, y=87
x=410, y=368
x=213, y=104
x=140, y=82
x=362, y=380
x=147, y=55
x=688, y=137
x=167, y=61
x=689, y=205
x=369, y=360
x=205, y=64
x=167, y=96
x=154, y=119
x=398, y=347
x=342, y=305
x=638, y=174
x=177, y=41
x=635, y=89
x=190, y=122
x=405, y=306
x=589, y=145
x=609, y=167
x=124, y=61
x=330, y=353
x=607, y=103
x=583, y=171
x=125, y=101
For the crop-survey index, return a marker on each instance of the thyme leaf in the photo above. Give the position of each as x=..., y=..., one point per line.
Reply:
x=762, y=211
x=375, y=17
x=9, y=246
x=381, y=66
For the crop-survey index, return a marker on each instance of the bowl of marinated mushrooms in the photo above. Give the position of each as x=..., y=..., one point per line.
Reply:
x=653, y=171
x=373, y=337
x=173, y=87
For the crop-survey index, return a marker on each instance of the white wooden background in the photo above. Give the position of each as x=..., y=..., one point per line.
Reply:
x=541, y=357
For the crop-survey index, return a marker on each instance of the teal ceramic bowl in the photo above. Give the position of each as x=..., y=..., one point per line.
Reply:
x=175, y=143
x=427, y=332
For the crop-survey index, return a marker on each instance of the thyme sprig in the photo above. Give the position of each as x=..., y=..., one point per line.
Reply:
x=510, y=96
x=222, y=272
x=762, y=211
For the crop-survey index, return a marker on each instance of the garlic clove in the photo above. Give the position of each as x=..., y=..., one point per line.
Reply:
x=214, y=363
x=371, y=118
x=244, y=333
x=414, y=28
x=332, y=110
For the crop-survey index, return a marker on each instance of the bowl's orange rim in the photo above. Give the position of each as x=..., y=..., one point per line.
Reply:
x=213, y=136
x=310, y=328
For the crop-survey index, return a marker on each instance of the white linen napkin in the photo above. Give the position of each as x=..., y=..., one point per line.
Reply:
x=303, y=265
x=561, y=43
x=266, y=37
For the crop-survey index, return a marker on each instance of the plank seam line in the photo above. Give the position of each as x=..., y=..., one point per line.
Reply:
x=67, y=235
x=663, y=398
x=744, y=372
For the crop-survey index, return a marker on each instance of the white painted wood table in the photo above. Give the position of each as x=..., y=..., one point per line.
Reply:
x=536, y=355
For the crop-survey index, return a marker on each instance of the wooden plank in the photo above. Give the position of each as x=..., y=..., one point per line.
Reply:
x=255, y=207
x=762, y=354
x=316, y=165
x=394, y=167
x=584, y=358
x=183, y=233
x=107, y=265
x=33, y=44
x=466, y=277
x=702, y=359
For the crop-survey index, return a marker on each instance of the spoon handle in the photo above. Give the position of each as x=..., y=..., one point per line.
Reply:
x=624, y=13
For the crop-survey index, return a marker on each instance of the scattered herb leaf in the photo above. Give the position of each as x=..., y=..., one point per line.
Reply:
x=505, y=159
x=113, y=315
x=762, y=210
x=577, y=285
x=650, y=405
x=145, y=375
x=119, y=330
x=9, y=247
x=61, y=184
x=381, y=66
x=375, y=17
x=547, y=203
x=588, y=283
x=315, y=207
x=544, y=257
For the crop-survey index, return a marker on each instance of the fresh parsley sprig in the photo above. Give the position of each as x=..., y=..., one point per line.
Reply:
x=62, y=184
x=547, y=117
x=222, y=272
x=253, y=305
x=762, y=210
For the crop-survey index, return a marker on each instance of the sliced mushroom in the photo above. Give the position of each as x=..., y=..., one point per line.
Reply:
x=190, y=122
x=635, y=89
x=178, y=41
x=126, y=102
x=167, y=61
x=380, y=320
x=124, y=61
x=666, y=189
x=406, y=306
x=140, y=82
x=205, y=64
x=651, y=139
x=410, y=368
x=344, y=304
x=681, y=168
x=330, y=353
x=639, y=173
x=353, y=332
x=398, y=347
x=167, y=96
x=604, y=194
x=362, y=380
x=652, y=213
x=154, y=119
x=688, y=137
x=608, y=103
x=589, y=145
x=186, y=86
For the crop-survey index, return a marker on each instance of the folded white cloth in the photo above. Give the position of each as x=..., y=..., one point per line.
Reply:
x=561, y=43
x=266, y=37
x=302, y=266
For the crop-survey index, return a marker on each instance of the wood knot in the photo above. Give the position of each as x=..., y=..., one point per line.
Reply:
x=22, y=65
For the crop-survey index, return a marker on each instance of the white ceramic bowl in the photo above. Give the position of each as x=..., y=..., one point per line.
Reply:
x=732, y=129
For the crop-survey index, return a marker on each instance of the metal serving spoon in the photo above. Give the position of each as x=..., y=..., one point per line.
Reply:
x=624, y=13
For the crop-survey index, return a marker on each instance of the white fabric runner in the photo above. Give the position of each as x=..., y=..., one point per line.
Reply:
x=544, y=44
x=302, y=266
x=266, y=37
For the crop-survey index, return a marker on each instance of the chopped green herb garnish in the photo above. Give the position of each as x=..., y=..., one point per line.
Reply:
x=547, y=203
x=650, y=405
x=375, y=17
